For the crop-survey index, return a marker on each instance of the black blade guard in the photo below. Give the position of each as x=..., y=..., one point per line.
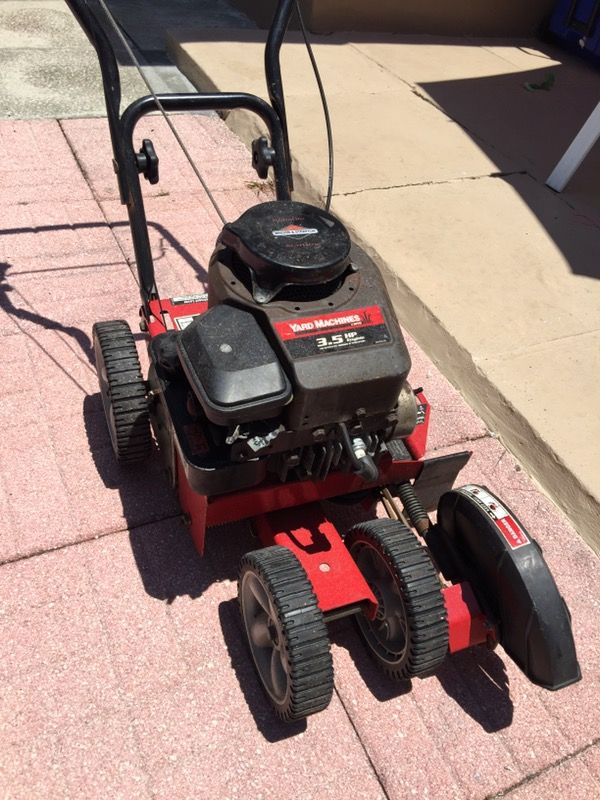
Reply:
x=508, y=573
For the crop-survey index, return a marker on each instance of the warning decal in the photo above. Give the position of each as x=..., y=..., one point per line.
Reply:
x=339, y=330
x=183, y=322
x=510, y=529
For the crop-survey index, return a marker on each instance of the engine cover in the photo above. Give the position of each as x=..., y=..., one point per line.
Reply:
x=339, y=342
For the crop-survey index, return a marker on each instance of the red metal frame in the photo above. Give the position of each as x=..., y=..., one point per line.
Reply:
x=273, y=496
x=337, y=581
x=316, y=543
x=268, y=497
x=159, y=309
x=467, y=624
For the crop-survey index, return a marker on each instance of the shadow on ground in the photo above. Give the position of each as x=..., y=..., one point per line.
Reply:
x=164, y=233
x=81, y=339
x=475, y=679
x=529, y=130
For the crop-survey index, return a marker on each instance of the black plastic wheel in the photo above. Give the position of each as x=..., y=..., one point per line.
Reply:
x=123, y=390
x=286, y=632
x=409, y=635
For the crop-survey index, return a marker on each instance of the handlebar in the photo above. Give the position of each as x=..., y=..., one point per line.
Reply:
x=122, y=126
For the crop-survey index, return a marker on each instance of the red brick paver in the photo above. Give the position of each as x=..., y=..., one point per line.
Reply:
x=123, y=671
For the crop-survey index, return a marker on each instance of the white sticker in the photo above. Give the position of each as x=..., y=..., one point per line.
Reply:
x=493, y=505
x=506, y=524
x=189, y=298
x=183, y=322
x=295, y=230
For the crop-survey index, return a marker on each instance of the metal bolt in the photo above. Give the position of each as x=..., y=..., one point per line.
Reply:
x=359, y=447
x=226, y=348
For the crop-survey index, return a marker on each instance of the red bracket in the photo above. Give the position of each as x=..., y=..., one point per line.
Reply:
x=316, y=543
x=467, y=624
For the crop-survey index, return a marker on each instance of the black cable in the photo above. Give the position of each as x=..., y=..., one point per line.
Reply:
x=325, y=107
x=365, y=466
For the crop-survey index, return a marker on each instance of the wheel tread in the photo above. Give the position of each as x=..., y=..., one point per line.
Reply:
x=307, y=641
x=427, y=635
x=124, y=391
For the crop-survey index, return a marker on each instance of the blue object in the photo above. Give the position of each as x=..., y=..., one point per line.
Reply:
x=576, y=24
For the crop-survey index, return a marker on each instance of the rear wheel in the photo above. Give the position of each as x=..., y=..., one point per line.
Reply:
x=286, y=632
x=409, y=635
x=123, y=390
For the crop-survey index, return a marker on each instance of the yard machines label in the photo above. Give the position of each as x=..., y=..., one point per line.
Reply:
x=339, y=330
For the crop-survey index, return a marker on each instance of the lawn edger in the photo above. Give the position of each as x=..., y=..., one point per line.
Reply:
x=287, y=385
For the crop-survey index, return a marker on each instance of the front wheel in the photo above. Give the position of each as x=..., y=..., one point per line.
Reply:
x=286, y=632
x=409, y=635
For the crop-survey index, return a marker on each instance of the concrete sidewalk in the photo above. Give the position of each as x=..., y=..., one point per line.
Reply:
x=441, y=155
x=124, y=673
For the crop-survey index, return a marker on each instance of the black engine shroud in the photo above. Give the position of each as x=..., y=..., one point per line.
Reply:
x=299, y=365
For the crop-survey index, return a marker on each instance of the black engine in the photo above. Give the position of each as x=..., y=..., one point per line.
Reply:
x=299, y=366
